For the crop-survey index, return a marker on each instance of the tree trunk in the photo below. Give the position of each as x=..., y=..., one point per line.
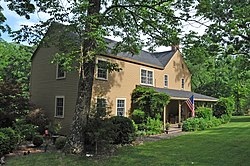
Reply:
x=76, y=139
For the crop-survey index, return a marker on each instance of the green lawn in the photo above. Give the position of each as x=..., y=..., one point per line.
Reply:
x=225, y=145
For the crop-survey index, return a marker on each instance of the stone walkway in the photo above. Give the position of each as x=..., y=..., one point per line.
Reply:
x=174, y=131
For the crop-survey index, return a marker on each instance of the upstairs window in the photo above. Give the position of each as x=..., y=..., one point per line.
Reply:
x=102, y=71
x=147, y=77
x=60, y=73
x=120, y=107
x=182, y=83
x=101, y=104
x=165, y=80
x=59, y=106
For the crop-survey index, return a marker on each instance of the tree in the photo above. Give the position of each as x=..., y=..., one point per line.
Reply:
x=15, y=63
x=90, y=21
x=228, y=30
x=13, y=103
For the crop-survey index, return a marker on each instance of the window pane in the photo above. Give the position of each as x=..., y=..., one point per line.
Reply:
x=59, y=106
x=146, y=77
x=120, y=107
x=166, y=81
x=60, y=71
x=102, y=69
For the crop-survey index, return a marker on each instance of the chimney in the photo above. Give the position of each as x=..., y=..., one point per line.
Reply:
x=175, y=47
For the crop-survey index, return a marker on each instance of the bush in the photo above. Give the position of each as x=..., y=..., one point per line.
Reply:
x=124, y=130
x=37, y=140
x=223, y=106
x=138, y=116
x=4, y=144
x=13, y=137
x=194, y=124
x=225, y=118
x=26, y=131
x=38, y=118
x=60, y=142
x=153, y=126
x=203, y=112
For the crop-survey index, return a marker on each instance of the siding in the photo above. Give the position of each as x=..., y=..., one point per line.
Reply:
x=44, y=87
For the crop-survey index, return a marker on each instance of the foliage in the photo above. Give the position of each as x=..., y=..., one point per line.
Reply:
x=219, y=59
x=194, y=124
x=224, y=106
x=60, y=142
x=13, y=103
x=15, y=64
x=149, y=101
x=38, y=118
x=26, y=131
x=9, y=132
x=124, y=129
x=203, y=112
x=4, y=144
x=38, y=140
x=225, y=118
x=153, y=126
x=138, y=116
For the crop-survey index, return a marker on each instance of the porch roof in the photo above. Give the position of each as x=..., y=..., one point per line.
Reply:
x=184, y=95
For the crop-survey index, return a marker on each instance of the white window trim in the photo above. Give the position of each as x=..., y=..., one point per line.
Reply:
x=153, y=77
x=99, y=78
x=58, y=78
x=125, y=102
x=164, y=81
x=183, y=83
x=56, y=97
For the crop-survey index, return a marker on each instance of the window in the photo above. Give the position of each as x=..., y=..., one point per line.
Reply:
x=59, y=106
x=120, y=107
x=101, y=104
x=102, y=71
x=146, y=77
x=182, y=83
x=174, y=64
x=60, y=73
x=182, y=66
x=165, y=80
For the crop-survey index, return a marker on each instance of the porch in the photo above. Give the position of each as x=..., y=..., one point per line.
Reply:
x=177, y=110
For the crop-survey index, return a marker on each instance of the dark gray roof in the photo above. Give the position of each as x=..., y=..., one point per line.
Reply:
x=159, y=59
x=185, y=94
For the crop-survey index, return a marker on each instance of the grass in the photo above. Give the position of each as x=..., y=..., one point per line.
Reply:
x=226, y=145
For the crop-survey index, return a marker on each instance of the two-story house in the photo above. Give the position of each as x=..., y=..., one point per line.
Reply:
x=55, y=90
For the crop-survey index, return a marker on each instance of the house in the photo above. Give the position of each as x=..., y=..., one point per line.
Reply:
x=55, y=90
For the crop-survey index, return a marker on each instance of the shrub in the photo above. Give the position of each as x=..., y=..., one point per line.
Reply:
x=215, y=121
x=26, y=131
x=37, y=140
x=138, y=116
x=124, y=129
x=194, y=124
x=225, y=118
x=191, y=124
x=148, y=100
x=13, y=137
x=60, y=142
x=223, y=106
x=38, y=118
x=153, y=126
x=203, y=112
x=4, y=144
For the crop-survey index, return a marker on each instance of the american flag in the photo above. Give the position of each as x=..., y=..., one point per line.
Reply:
x=190, y=104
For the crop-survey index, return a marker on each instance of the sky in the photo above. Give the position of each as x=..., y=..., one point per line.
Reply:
x=15, y=22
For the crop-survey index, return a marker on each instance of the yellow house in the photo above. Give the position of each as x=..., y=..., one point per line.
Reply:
x=55, y=90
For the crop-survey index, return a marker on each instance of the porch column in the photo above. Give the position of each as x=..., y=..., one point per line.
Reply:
x=164, y=118
x=179, y=120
